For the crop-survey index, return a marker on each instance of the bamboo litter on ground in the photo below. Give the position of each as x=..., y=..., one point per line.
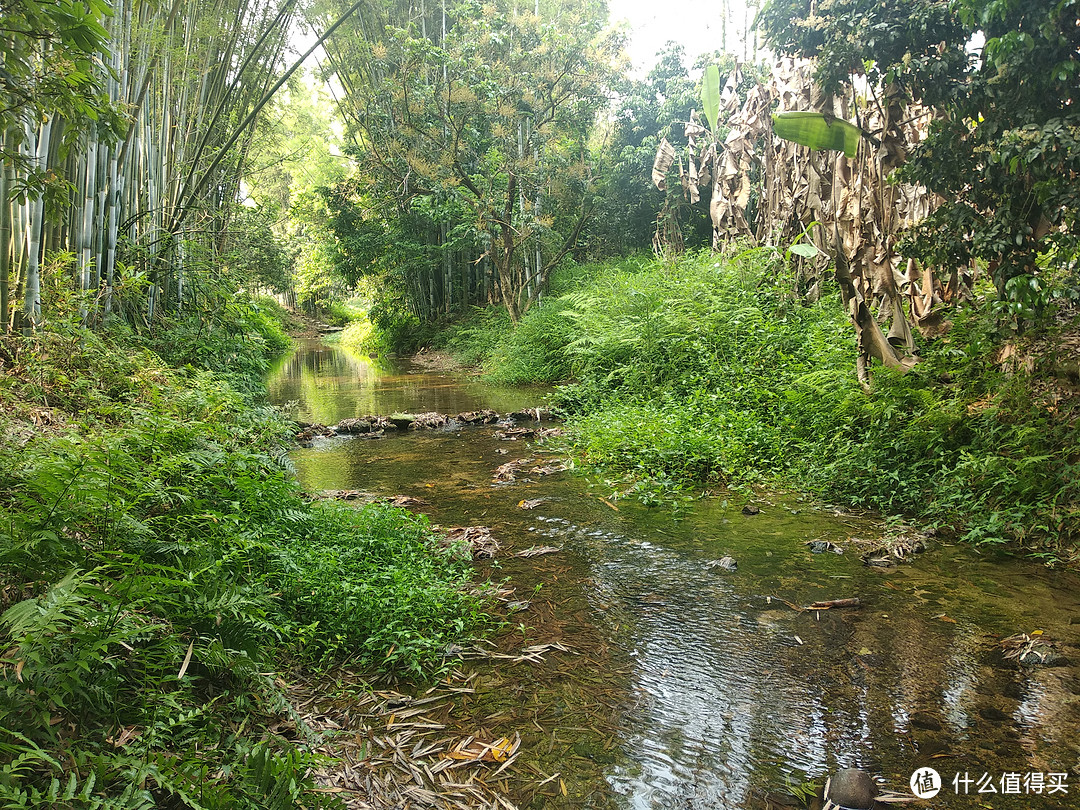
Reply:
x=392, y=750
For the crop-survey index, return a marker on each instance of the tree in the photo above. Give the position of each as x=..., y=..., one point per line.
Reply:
x=486, y=109
x=647, y=111
x=1003, y=151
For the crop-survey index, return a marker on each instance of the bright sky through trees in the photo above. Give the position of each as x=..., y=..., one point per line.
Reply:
x=697, y=26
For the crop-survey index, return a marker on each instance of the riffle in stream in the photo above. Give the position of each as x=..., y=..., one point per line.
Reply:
x=689, y=685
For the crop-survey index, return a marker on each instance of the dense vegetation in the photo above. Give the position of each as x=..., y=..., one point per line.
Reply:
x=160, y=565
x=157, y=561
x=707, y=371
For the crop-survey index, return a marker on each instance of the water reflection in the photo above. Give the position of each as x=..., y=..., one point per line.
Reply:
x=329, y=384
x=731, y=691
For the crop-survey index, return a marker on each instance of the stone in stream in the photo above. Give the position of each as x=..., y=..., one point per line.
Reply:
x=725, y=562
x=483, y=417
x=402, y=420
x=821, y=546
x=750, y=509
x=852, y=789
x=353, y=426
x=531, y=415
x=429, y=421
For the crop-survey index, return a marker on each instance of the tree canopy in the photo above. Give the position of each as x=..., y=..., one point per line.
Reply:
x=478, y=121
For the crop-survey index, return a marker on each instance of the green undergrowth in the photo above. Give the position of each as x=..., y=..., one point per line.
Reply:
x=710, y=370
x=158, y=566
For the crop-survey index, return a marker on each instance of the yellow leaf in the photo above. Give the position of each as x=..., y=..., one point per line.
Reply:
x=500, y=749
x=562, y=787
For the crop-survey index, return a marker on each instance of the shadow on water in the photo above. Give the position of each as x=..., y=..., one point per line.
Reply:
x=694, y=686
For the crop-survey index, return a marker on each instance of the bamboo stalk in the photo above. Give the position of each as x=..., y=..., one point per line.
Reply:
x=5, y=237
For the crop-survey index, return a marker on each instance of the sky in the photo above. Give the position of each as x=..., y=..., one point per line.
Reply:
x=698, y=25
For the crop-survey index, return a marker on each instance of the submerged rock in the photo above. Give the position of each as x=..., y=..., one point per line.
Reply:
x=821, y=546
x=725, y=562
x=1035, y=650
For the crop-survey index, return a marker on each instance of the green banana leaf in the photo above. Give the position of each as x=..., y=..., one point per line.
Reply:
x=817, y=131
x=710, y=95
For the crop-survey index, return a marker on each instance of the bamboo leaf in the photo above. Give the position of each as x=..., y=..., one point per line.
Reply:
x=817, y=131
x=710, y=95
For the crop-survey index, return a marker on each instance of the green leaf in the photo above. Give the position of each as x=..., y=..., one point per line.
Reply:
x=818, y=131
x=710, y=95
x=805, y=249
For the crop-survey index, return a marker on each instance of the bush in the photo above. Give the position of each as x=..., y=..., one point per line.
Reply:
x=240, y=337
x=360, y=337
x=710, y=370
x=373, y=585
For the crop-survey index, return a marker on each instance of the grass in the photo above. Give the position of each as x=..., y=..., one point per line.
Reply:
x=709, y=370
x=158, y=564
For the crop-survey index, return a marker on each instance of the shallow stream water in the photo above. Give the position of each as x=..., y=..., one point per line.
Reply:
x=689, y=685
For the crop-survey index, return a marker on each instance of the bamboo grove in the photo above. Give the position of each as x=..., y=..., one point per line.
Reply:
x=126, y=131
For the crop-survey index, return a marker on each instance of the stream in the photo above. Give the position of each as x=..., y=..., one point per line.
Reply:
x=690, y=686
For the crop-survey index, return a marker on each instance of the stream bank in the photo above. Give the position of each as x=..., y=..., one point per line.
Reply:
x=685, y=684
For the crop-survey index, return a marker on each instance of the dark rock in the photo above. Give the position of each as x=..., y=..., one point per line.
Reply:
x=401, y=420
x=353, y=426
x=880, y=558
x=750, y=509
x=484, y=417
x=530, y=415
x=994, y=715
x=930, y=746
x=1047, y=658
x=925, y=721
x=852, y=788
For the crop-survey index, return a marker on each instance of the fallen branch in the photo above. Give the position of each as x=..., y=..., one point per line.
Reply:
x=835, y=603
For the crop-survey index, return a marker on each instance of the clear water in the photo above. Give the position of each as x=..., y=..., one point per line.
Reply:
x=693, y=686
